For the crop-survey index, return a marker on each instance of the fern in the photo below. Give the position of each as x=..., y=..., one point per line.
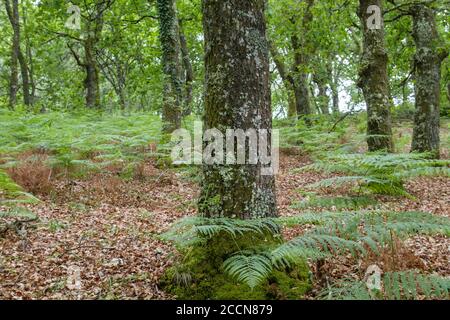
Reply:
x=378, y=173
x=334, y=233
x=11, y=193
x=353, y=233
x=191, y=230
x=249, y=268
x=395, y=286
x=336, y=202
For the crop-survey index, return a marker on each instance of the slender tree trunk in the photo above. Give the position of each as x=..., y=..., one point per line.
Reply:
x=287, y=79
x=29, y=54
x=189, y=72
x=237, y=97
x=333, y=78
x=13, y=15
x=322, y=98
x=374, y=81
x=427, y=62
x=171, y=53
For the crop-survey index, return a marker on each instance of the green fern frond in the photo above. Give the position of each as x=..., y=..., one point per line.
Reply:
x=249, y=268
x=403, y=285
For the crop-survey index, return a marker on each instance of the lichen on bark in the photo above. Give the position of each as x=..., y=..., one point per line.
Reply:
x=374, y=82
x=237, y=96
x=427, y=74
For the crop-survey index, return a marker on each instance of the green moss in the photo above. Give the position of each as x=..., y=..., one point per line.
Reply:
x=199, y=274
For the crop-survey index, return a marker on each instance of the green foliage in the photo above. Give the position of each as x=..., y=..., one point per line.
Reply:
x=199, y=273
x=11, y=193
x=407, y=285
x=339, y=203
x=79, y=142
x=378, y=173
x=335, y=233
x=315, y=138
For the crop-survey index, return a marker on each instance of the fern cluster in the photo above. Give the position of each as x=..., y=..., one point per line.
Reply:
x=408, y=284
x=317, y=138
x=378, y=173
x=333, y=233
x=11, y=193
x=87, y=141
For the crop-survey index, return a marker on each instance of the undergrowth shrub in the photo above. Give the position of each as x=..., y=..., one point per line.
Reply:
x=33, y=175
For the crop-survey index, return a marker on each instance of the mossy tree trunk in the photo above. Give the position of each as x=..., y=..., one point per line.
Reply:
x=427, y=66
x=301, y=45
x=322, y=99
x=237, y=97
x=91, y=82
x=374, y=82
x=172, y=67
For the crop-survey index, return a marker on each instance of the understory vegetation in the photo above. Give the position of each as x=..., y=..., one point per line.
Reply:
x=224, y=149
x=252, y=259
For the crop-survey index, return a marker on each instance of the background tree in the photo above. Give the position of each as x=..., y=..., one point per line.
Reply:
x=172, y=64
x=374, y=80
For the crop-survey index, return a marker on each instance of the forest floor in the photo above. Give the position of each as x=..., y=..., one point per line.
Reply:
x=107, y=228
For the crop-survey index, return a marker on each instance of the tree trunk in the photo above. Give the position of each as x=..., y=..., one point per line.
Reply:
x=333, y=78
x=12, y=11
x=374, y=81
x=427, y=62
x=301, y=60
x=29, y=55
x=188, y=70
x=171, y=53
x=91, y=81
x=322, y=98
x=287, y=79
x=237, y=97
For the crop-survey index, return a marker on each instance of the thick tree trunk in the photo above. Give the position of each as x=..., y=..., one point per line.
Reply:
x=237, y=97
x=171, y=61
x=374, y=81
x=427, y=62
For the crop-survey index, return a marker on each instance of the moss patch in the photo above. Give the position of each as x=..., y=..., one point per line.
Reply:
x=199, y=274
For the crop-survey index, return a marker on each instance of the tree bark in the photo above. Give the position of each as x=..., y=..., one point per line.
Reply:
x=374, y=82
x=91, y=82
x=17, y=57
x=287, y=81
x=427, y=66
x=188, y=72
x=237, y=97
x=322, y=98
x=301, y=60
x=171, y=61
x=333, y=77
